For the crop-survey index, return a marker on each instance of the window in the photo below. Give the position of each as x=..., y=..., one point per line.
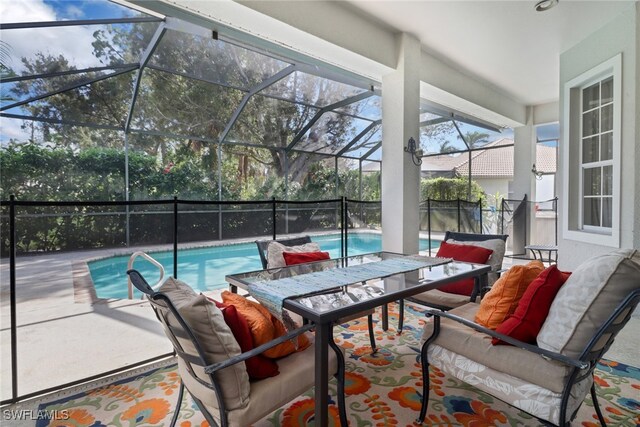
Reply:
x=597, y=156
x=591, y=155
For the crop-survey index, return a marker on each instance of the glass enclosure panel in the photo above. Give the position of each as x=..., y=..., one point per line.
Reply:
x=181, y=106
x=369, y=108
x=59, y=306
x=591, y=123
x=477, y=137
x=23, y=90
x=440, y=138
x=299, y=218
x=103, y=103
x=349, y=178
x=64, y=163
x=242, y=221
x=198, y=223
x=270, y=122
x=366, y=217
x=371, y=183
x=370, y=140
x=70, y=10
x=251, y=173
x=590, y=149
x=310, y=89
x=161, y=167
x=76, y=47
x=331, y=133
x=591, y=97
x=591, y=213
x=311, y=176
x=592, y=181
x=213, y=60
x=548, y=132
x=376, y=155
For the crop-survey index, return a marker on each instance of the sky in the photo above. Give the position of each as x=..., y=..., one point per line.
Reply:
x=74, y=42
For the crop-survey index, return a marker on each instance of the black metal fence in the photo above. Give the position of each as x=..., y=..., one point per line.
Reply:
x=40, y=228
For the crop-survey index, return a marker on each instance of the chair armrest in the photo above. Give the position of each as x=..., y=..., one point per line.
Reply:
x=258, y=350
x=517, y=343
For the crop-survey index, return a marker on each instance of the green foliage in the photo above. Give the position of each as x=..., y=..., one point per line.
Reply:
x=449, y=189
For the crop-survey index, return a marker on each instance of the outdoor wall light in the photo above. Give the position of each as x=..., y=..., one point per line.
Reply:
x=415, y=153
x=545, y=5
x=536, y=172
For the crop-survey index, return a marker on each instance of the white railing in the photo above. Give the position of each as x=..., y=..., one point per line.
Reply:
x=152, y=261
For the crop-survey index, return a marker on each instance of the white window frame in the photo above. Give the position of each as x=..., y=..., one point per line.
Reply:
x=573, y=146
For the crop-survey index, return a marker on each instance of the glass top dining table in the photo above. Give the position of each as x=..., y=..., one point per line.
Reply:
x=326, y=307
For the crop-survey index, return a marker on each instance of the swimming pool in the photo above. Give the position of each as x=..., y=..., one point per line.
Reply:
x=205, y=268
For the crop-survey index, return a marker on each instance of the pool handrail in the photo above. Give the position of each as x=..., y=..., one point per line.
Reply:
x=130, y=266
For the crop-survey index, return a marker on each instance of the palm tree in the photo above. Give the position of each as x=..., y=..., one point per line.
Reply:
x=446, y=147
x=475, y=139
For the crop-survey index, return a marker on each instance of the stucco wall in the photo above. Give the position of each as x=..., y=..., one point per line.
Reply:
x=619, y=36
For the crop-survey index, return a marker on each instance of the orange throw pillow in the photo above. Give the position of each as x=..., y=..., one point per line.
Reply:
x=502, y=300
x=264, y=326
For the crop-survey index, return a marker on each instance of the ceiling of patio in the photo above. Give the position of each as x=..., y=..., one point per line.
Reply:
x=506, y=43
x=505, y=46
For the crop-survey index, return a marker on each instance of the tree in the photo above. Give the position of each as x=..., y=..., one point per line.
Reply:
x=475, y=139
x=195, y=108
x=449, y=189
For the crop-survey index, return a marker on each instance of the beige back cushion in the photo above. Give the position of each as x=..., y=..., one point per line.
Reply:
x=215, y=338
x=587, y=299
x=498, y=246
x=275, y=249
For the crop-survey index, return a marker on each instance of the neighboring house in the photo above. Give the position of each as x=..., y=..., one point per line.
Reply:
x=493, y=168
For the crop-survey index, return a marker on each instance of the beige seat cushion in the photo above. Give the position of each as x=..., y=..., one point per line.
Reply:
x=215, y=338
x=587, y=299
x=439, y=298
x=296, y=377
x=275, y=250
x=527, y=366
x=498, y=246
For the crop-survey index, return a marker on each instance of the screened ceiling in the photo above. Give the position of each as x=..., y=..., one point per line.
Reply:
x=122, y=70
x=129, y=73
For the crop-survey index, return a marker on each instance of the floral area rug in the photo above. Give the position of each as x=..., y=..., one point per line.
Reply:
x=382, y=390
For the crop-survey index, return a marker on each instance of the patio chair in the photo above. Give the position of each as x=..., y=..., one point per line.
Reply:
x=212, y=368
x=263, y=246
x=446, y=301
x=549, y=380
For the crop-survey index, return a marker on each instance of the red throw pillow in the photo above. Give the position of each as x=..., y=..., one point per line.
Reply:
x=466, y=253
x=533, y=308
x=292, y=258
x=258, y=367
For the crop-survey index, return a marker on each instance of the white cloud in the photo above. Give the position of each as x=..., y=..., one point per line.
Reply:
x=73, y=42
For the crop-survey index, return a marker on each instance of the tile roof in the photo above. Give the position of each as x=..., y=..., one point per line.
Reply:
x=493, y=163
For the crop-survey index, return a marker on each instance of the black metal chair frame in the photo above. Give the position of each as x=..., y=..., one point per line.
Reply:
x=582, y=367
x=477, y=289
x=263, y=245
x=185, y=332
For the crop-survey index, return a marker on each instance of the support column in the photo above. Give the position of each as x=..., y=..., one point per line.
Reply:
x=524, y=181
x=401, y=177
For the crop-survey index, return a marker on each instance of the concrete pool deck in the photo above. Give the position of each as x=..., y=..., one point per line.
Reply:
x=64, y=336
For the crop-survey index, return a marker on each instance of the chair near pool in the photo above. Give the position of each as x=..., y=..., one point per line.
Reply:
x=533, y=342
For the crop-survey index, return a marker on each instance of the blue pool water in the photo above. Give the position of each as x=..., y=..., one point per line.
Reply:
x=205, y=268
